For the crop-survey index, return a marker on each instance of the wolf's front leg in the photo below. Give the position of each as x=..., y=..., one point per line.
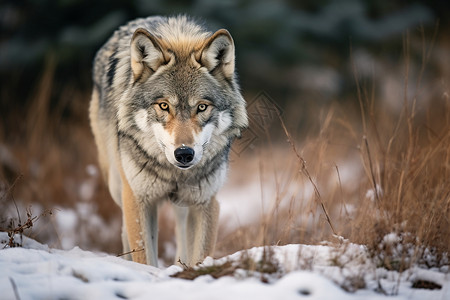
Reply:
x=125, y=243
x=133, y=223
x=201, y=231
x=149, y=217
x=181, y=213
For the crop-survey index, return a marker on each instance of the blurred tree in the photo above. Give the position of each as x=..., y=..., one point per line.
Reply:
x=272, y=36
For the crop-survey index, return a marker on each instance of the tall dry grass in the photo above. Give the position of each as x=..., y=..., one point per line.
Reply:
x=390, y=180
x=406, y=161
x=46, y=151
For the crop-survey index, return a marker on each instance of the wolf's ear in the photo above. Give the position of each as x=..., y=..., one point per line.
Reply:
x=217, y=54
x=146, y=54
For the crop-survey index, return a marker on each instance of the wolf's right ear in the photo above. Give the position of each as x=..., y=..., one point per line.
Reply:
x=147, y=54
x=217, y=54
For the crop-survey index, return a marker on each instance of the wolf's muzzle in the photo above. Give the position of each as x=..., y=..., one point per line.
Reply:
x=184, y=155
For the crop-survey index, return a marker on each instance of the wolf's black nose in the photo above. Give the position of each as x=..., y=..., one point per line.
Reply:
x=184, y=154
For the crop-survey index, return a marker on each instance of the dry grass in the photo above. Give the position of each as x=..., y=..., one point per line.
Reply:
x=406, y=159
x=409, y=170
x=46, y=150
x=362, y=176
x=265, y=268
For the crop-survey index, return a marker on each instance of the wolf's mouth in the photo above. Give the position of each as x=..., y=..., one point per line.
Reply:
x=183, y=167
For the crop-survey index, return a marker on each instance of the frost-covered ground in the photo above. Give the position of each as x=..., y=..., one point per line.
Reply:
x=36, y=271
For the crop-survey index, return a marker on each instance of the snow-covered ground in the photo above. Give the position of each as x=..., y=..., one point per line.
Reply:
x=36, y=271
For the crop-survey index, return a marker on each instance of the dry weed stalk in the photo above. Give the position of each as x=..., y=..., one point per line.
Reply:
x=19, y=229
x=130, y=252
x=305, y=171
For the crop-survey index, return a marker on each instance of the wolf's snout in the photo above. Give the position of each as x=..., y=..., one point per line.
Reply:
x=184, y=155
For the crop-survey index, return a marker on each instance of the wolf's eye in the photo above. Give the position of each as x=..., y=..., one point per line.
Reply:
x=164, y=106
x=201, y=107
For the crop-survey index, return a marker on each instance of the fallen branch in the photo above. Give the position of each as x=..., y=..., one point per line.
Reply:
x=130, y=252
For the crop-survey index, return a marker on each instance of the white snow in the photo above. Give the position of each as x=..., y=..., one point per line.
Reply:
x=244, y=201
x=36, y=271
x=67, y=220
x=373, y=194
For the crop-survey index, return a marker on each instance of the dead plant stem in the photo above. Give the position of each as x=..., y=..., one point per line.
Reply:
x=130, y=252
x=305, y=171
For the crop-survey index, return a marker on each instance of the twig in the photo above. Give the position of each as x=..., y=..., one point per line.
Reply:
x=14, y=286
x=10, y=189
x=21, y=228
x=12, y=231
x=186, y=267
x=342, y=192
x=359, y=94
x=306, y=172
x=130, y=252
x=372, y=174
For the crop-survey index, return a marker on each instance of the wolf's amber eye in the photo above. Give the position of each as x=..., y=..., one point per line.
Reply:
x=201, y=107
x=164, y=106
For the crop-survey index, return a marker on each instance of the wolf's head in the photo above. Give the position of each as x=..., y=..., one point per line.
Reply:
x=184, y=96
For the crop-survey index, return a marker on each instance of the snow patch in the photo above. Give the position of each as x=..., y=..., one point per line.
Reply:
x=313, y=272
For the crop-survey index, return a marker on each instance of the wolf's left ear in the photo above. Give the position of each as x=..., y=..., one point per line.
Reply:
x=217, y=54
x=147, y=54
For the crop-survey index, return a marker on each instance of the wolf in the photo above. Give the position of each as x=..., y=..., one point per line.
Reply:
x=165, y=108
